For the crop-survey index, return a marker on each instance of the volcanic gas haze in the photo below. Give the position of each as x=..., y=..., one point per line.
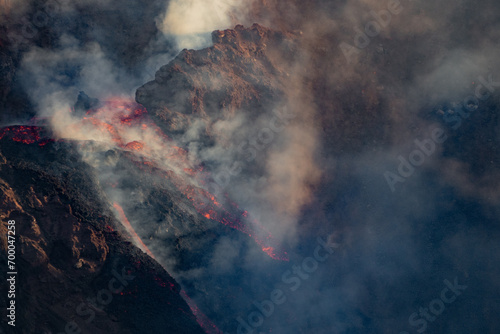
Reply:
x=239, y=105
x=240, y=164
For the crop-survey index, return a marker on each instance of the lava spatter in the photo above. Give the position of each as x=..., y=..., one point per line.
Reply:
x=25, y=134
x=124, y=123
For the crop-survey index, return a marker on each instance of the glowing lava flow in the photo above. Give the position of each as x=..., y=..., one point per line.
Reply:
x=208, y=206
x=208, y=326
x=204, y=322
x=127, y=125
x=130, y=230
x=230, y=215
x=25, y=134
x=124, y=123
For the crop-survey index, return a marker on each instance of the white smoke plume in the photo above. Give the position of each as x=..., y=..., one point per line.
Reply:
x=191, y=22
x=324, y=172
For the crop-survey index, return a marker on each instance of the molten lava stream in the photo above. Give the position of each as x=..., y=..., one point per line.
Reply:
x=126, y=124
x=25, y=134
x=130, y=230
x=205, y=323
x=115, y=118
x=207, y=205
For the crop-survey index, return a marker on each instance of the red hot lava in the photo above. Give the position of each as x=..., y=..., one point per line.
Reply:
x=126, y=124
x=115, y=119
x=118, y=116
x=130, y=230
x=208, y=326
x=25, y=134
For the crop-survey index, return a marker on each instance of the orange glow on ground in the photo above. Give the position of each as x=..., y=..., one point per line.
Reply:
x=25, y=134
x=130, y=229
x=127, y=125
x=208, y=326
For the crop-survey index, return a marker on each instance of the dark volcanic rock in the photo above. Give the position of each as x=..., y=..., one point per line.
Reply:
x=84, y=103
x=70, y=251
x=125, y=31
x=238, y=73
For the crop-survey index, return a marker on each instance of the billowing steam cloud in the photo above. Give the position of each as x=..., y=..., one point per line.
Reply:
x=191, y=22
x=323, y=172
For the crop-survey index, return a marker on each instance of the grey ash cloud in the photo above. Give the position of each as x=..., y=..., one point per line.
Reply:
x=323, y=176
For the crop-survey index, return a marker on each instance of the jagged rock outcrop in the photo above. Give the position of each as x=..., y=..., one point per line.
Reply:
x=73, y=262
x=239, y=73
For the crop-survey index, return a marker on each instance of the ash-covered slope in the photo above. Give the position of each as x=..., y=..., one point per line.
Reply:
x=74, y=265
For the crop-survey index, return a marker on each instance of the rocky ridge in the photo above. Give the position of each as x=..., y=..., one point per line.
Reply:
x=70, y=247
